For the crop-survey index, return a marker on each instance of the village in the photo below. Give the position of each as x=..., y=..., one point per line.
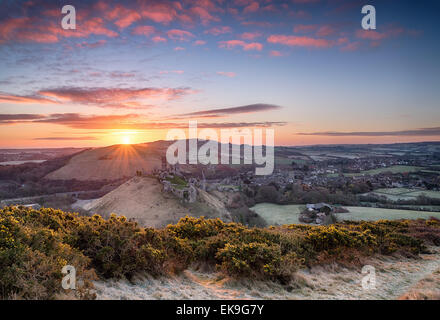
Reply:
x=323, y=186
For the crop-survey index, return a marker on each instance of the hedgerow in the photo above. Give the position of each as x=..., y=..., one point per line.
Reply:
x=36, y=244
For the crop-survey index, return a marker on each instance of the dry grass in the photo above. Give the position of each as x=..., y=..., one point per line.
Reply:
x=397, y=278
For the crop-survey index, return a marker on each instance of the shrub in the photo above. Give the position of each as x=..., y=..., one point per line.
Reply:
x=256, y=259
x=331, y=237
x=196, y=228
x=32, y=256
x=36, y=244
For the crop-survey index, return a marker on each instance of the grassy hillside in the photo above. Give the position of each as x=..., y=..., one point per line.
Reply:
x=35, y=245
x=110, y=163
x=142, y=199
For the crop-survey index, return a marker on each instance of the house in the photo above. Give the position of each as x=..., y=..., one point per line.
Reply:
x=320, y=207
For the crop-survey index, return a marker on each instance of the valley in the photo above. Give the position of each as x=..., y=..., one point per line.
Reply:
x=399, y=181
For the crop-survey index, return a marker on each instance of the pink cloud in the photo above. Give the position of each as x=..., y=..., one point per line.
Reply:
x=352, y=46
x=219, y=30
x=165, y=12
x=263, y=24
x=9, y=26
x=370, y=35
x=377, y=36
x=124, y=17
x=325, y=31
x=300, y=28
x=21, y=29
x=160, y=12
x=253, y=46
x=253, y=7
x=96, y=44
x=180, y=35
x=230, y=44
x=270, y=8
x=321, y=31
x=179, y=49
x=342, y=40
x=91, y=26
x=35, y=30
x=144, y=30
x=199, y=42
x=250, y=35
x=16, y=99
x=35, y=36
x=233, y=11
x=227, y=74
x=159, y=39
x=275, y=53
x=104, y=96
x=172, y=71
x=204, y=15
x=295, y=41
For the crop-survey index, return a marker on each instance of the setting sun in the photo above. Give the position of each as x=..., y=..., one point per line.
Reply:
x=126, y=140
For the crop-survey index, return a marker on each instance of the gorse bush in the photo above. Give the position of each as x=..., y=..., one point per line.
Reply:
x=33, y=254
x=257, y=259
x=330, y=237
x=36, y=244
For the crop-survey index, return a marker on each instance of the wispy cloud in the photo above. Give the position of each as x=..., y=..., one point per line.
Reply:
x=180, y=35
x=144, y=30
x=227, y=74
x=26, y=99
x=65, y=138
x=121, y=122
x=296, y=41
x=414, y=132
x=5, y=118
x=91, y=45
x=250, y=35
x=218, y=30
x=230, y=44
x=376, y=36
x=252, y=7
x=252, y=108
x=101, y=97
x=275, y=53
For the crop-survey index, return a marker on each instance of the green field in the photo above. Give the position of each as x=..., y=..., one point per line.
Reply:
x=396, y=194
x=284, y=161
x=275, y=214
x=372, y=172
x=373, y=214
x=393, y=191
x=393, y=169
x=430, y=194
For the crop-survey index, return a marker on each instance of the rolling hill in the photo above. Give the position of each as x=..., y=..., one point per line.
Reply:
x=111, y=163
x=142, y=199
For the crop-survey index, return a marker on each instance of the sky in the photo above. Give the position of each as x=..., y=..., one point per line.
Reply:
x=133, y=70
